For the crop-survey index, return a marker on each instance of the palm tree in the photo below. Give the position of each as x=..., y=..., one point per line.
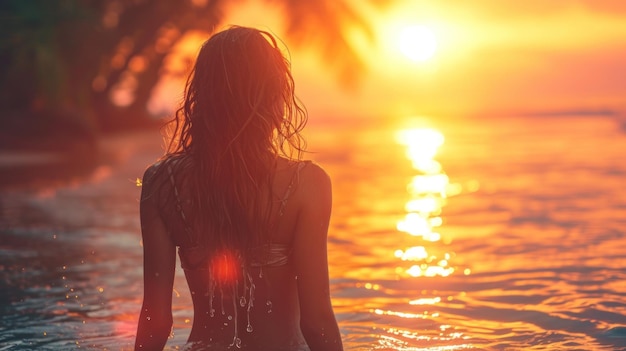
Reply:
x=64, y=58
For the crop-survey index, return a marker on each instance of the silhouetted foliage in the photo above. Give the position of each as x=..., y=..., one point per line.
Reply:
x=62, y=59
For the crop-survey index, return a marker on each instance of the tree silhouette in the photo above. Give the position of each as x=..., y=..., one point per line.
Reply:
x=61, y=60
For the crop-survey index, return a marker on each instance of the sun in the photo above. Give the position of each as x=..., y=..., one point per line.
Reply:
x=417, y=42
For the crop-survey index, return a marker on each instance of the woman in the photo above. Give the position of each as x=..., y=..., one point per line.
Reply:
x=248, y=218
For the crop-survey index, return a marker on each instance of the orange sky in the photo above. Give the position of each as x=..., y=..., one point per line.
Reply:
x=492, y=56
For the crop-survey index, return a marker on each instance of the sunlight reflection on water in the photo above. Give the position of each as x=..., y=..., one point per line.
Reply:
x=429, y=191
x=507, y=234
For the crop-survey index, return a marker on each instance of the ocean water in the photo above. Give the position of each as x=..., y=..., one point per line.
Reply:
x=504, y=233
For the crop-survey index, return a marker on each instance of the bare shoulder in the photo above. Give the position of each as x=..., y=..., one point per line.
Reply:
x=161, y=169
x=315, y=176
x=151, y=173
x=152, y=169
x=315, y=184
x=152, y=182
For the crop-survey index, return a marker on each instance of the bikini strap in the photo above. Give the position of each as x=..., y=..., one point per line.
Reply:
x=294, y=180
x=179, y=205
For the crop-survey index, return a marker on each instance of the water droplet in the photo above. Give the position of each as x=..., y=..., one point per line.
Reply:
x=148, y=318
x=238, y=343
x=212, y=313
x=249, y=328
x=242, y=301
x=230, y=318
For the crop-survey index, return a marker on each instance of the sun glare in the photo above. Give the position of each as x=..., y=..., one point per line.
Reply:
x=428, y=194
x=417, y=42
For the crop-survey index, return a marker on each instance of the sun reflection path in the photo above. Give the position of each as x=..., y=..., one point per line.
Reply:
x=428, y=192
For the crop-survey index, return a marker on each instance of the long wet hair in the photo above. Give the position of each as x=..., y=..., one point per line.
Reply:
x=239, y=114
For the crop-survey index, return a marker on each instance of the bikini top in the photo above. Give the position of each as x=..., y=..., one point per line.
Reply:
x=196, y=257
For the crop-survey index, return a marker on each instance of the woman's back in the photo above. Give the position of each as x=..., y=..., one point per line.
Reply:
x=263, y=308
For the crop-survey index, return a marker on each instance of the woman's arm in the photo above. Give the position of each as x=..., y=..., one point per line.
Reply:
x=159, y=261
x=317, y=319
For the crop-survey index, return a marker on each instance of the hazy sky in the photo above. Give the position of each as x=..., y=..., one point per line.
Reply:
x=524, y=55
x=491, y=56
